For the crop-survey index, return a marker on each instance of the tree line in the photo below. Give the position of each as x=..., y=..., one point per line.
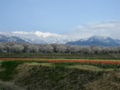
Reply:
x=24, y=47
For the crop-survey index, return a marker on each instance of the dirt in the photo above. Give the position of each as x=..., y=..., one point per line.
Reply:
x=10, y=86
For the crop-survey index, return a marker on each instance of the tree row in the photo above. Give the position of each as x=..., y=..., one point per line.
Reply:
x=55, y=48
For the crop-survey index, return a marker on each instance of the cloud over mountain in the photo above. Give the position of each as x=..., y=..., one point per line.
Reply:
x=38, y=33
x=37, y=36
x=110, y=29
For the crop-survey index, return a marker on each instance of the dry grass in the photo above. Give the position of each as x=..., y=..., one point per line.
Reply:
x=86, y=67
x=89, y=67
x=25, y=67
x=35, y=63
x=0, y=61
x=109, y=81
x=1, y=69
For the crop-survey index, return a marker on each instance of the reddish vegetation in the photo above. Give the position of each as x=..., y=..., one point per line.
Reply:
x=65, y=60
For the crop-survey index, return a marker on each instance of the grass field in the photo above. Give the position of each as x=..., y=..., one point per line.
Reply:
x=56, y=73
x=58, y=76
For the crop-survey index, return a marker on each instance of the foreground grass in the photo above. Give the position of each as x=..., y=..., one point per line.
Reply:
x=1, y=88
x=62, y=63
x=63, y=78
x=58, y=77
x=8, y=69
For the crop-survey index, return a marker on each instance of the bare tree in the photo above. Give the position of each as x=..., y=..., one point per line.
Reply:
x=118, y=47
x=1, y=47
x=41, y=48
x=8, y=46
x=17, y=48
x=55, y=45
x=86, y=49
x=74, y=49
x=106, y=50
x=25, y=45
x=33, y=48
x=68, y=49
x=97, y=49
x=48, y=48
x=115, y=50
x=61, y=48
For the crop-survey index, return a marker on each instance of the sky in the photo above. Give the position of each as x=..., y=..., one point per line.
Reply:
x=76, y=18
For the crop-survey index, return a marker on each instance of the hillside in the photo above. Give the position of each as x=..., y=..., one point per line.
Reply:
x=34, y=37
x=44, y=76
x=4, y=38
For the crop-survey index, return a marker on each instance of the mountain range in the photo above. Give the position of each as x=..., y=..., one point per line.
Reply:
x=34, y=37
x=40, y=37
x=4, y=38
x=97, y=40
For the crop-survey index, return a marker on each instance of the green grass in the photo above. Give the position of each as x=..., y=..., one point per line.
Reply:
x=1, y=88
x=10, y=66
x=9, y=71
x=64, y=78
x=61, y=56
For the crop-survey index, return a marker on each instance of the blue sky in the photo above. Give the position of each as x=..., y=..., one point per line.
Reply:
x=56, y=16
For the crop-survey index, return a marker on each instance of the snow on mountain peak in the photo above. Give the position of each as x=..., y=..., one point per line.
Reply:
x=47, y=37
x=38, y=36
x=99, y=37
x=20, y=32
x=38, y=33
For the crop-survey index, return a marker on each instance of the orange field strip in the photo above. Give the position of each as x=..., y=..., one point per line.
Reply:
x=65, y=60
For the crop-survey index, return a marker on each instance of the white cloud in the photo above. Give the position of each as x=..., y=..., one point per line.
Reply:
x=110, y=29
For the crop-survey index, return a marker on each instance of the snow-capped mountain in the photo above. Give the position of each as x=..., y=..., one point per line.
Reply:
x=4, y=38
x=38, y=37
x=97, y=40
x=118, y=41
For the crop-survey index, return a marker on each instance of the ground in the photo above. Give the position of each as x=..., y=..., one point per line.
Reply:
x=41, y=76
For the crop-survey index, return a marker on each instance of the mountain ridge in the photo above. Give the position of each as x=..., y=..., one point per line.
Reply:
x=48, y=38
x=97, y=40
x=4, y=38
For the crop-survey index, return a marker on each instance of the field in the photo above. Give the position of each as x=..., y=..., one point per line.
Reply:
x=58, y=71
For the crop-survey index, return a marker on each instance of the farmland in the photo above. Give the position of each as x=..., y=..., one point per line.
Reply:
x=60, y=71
x=61, y=56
